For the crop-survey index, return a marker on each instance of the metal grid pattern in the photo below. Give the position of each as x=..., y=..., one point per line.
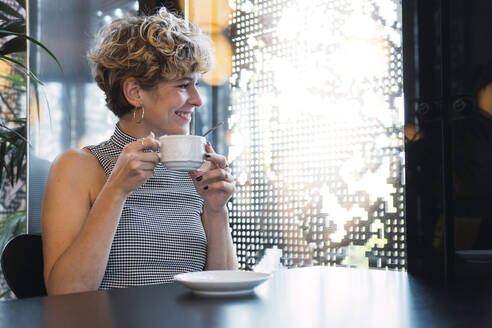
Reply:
x=317, y=132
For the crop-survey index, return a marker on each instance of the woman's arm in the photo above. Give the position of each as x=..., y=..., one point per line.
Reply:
x=221, y=254
x=76, y=236
x=81, y=211
x=215, y=184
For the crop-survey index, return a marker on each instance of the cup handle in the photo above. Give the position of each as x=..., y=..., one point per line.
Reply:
x=159, y=152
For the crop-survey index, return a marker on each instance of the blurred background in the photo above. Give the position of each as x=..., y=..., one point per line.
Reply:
x=358, y=132
x=312, y=97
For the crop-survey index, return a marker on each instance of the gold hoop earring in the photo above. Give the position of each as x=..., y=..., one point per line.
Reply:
x=141, y=116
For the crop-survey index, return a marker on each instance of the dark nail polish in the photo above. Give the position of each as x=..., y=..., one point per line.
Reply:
x=206, y=187
x=207, y=155
x=199, y=178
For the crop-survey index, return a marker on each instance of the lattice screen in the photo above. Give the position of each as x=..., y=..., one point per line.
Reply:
x=317, y=132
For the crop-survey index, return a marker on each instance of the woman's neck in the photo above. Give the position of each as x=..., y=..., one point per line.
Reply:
x=136, y=130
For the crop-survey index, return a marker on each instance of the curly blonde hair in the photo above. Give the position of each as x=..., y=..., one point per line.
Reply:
x=156, y=48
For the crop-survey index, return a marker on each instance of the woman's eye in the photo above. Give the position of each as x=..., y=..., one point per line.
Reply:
x=184, y=86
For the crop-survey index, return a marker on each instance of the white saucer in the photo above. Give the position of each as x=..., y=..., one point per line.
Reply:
x=222, y=282
x=183, y=166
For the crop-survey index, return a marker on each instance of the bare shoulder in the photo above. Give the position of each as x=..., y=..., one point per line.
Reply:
x=74, y=159
x=79, y=170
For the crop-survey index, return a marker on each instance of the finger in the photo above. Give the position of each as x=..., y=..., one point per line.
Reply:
x=223, y=186
x=149, y=157
x=142, y=160
x=145, y=175
x=148, y=143
x=210, y=178
x=146, y=166
x=195, y=174
x=202, y=169
x=214, y=176
x=209, y=148
x=217, y=159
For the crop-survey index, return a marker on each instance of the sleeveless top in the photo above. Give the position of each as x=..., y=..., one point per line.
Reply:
x=160, y=232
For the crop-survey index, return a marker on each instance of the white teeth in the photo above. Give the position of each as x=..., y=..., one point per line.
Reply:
x=183, y=114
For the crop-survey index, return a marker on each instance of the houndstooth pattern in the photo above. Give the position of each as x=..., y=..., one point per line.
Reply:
x=160, y=233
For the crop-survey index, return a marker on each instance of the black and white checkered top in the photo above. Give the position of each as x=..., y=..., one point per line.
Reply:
x=160, y=232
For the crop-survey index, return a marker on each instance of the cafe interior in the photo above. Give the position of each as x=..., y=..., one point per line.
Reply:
x=354, y=133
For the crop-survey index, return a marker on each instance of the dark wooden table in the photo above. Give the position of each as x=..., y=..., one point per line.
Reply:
x=302, y=298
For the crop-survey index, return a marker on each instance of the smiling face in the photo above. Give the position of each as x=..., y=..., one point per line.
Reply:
x=169, y=106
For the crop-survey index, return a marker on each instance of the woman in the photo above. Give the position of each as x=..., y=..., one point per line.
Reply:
x=113, y=216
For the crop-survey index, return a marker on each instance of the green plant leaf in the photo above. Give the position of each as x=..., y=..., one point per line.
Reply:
x=12, y=61
x=15, y=26
x=11, y=225
x=6, y=103
x=10, y=171
x=3, y=153
x=36, y=97
x=18, y=160
x=21, y=168
x=5, y=135
x=12, y=46
x=9, y=10
x=5, y=292
x=21, y=67
x=19, y=134
x=20, y=227
x=3, y=17
x=13, y=131
x=21, y=3
x=39, y=44
x=15, y=79
x=12, y=88
x=18, y=120
x=13, y=153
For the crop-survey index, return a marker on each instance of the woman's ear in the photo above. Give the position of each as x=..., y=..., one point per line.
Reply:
x=132, y=91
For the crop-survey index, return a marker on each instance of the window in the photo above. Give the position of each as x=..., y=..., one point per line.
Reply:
x=316, y=132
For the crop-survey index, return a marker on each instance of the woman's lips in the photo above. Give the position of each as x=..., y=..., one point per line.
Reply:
x=184, y=115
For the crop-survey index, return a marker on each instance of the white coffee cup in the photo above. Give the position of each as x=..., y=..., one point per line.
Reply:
x=182, y=152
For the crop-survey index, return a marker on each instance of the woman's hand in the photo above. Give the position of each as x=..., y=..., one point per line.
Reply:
x=214, y=181
x=135, y=164
x=215, y=184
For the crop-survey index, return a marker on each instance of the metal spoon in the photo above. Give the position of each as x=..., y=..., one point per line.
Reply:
x=212, y=129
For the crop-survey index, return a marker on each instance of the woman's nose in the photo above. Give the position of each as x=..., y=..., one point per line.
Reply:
x=195, y=98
